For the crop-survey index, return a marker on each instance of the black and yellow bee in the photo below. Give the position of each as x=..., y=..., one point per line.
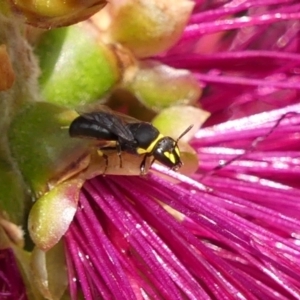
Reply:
x=127, y=134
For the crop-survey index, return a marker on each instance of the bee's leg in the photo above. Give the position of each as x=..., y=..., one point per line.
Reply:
x=143, y=165
x=105, y=157
x=119, y=152
x=153, y=160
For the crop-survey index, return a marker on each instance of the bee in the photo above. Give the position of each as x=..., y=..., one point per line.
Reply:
x=123, y=133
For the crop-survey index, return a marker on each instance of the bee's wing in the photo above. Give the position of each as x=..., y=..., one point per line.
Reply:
x=110, y=121
x=95, y=107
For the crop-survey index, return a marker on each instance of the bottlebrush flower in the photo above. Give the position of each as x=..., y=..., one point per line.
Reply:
x=231, y=230
x=244, y=53
x=228, y=232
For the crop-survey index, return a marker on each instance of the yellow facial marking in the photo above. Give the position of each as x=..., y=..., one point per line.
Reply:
x=151, y=146
x=177, y=151
x=170, y=156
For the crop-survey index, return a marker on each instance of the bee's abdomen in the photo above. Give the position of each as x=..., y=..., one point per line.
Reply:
x=82, y=127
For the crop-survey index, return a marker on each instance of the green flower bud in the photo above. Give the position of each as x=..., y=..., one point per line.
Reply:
x=174, y=120
x=41, y=146
x=12, y=193
x=146, y=27
x=49, y=271
x=76, y=67
x=51, y=215
x=158, y=86
x=56, y=13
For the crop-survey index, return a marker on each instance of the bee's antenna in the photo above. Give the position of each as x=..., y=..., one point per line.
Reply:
x=184, y=133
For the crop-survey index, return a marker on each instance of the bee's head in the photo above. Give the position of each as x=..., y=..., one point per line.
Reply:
x=167, y=151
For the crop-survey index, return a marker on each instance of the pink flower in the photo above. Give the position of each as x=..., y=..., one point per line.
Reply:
x=244, y=52
x=230, y=231
x=11, y=283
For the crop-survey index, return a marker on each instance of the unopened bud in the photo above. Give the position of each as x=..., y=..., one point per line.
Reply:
x=56, y=13
x=145, y=27
x=159, y=86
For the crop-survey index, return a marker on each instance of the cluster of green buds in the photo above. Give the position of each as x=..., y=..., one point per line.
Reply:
x=50, y=67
